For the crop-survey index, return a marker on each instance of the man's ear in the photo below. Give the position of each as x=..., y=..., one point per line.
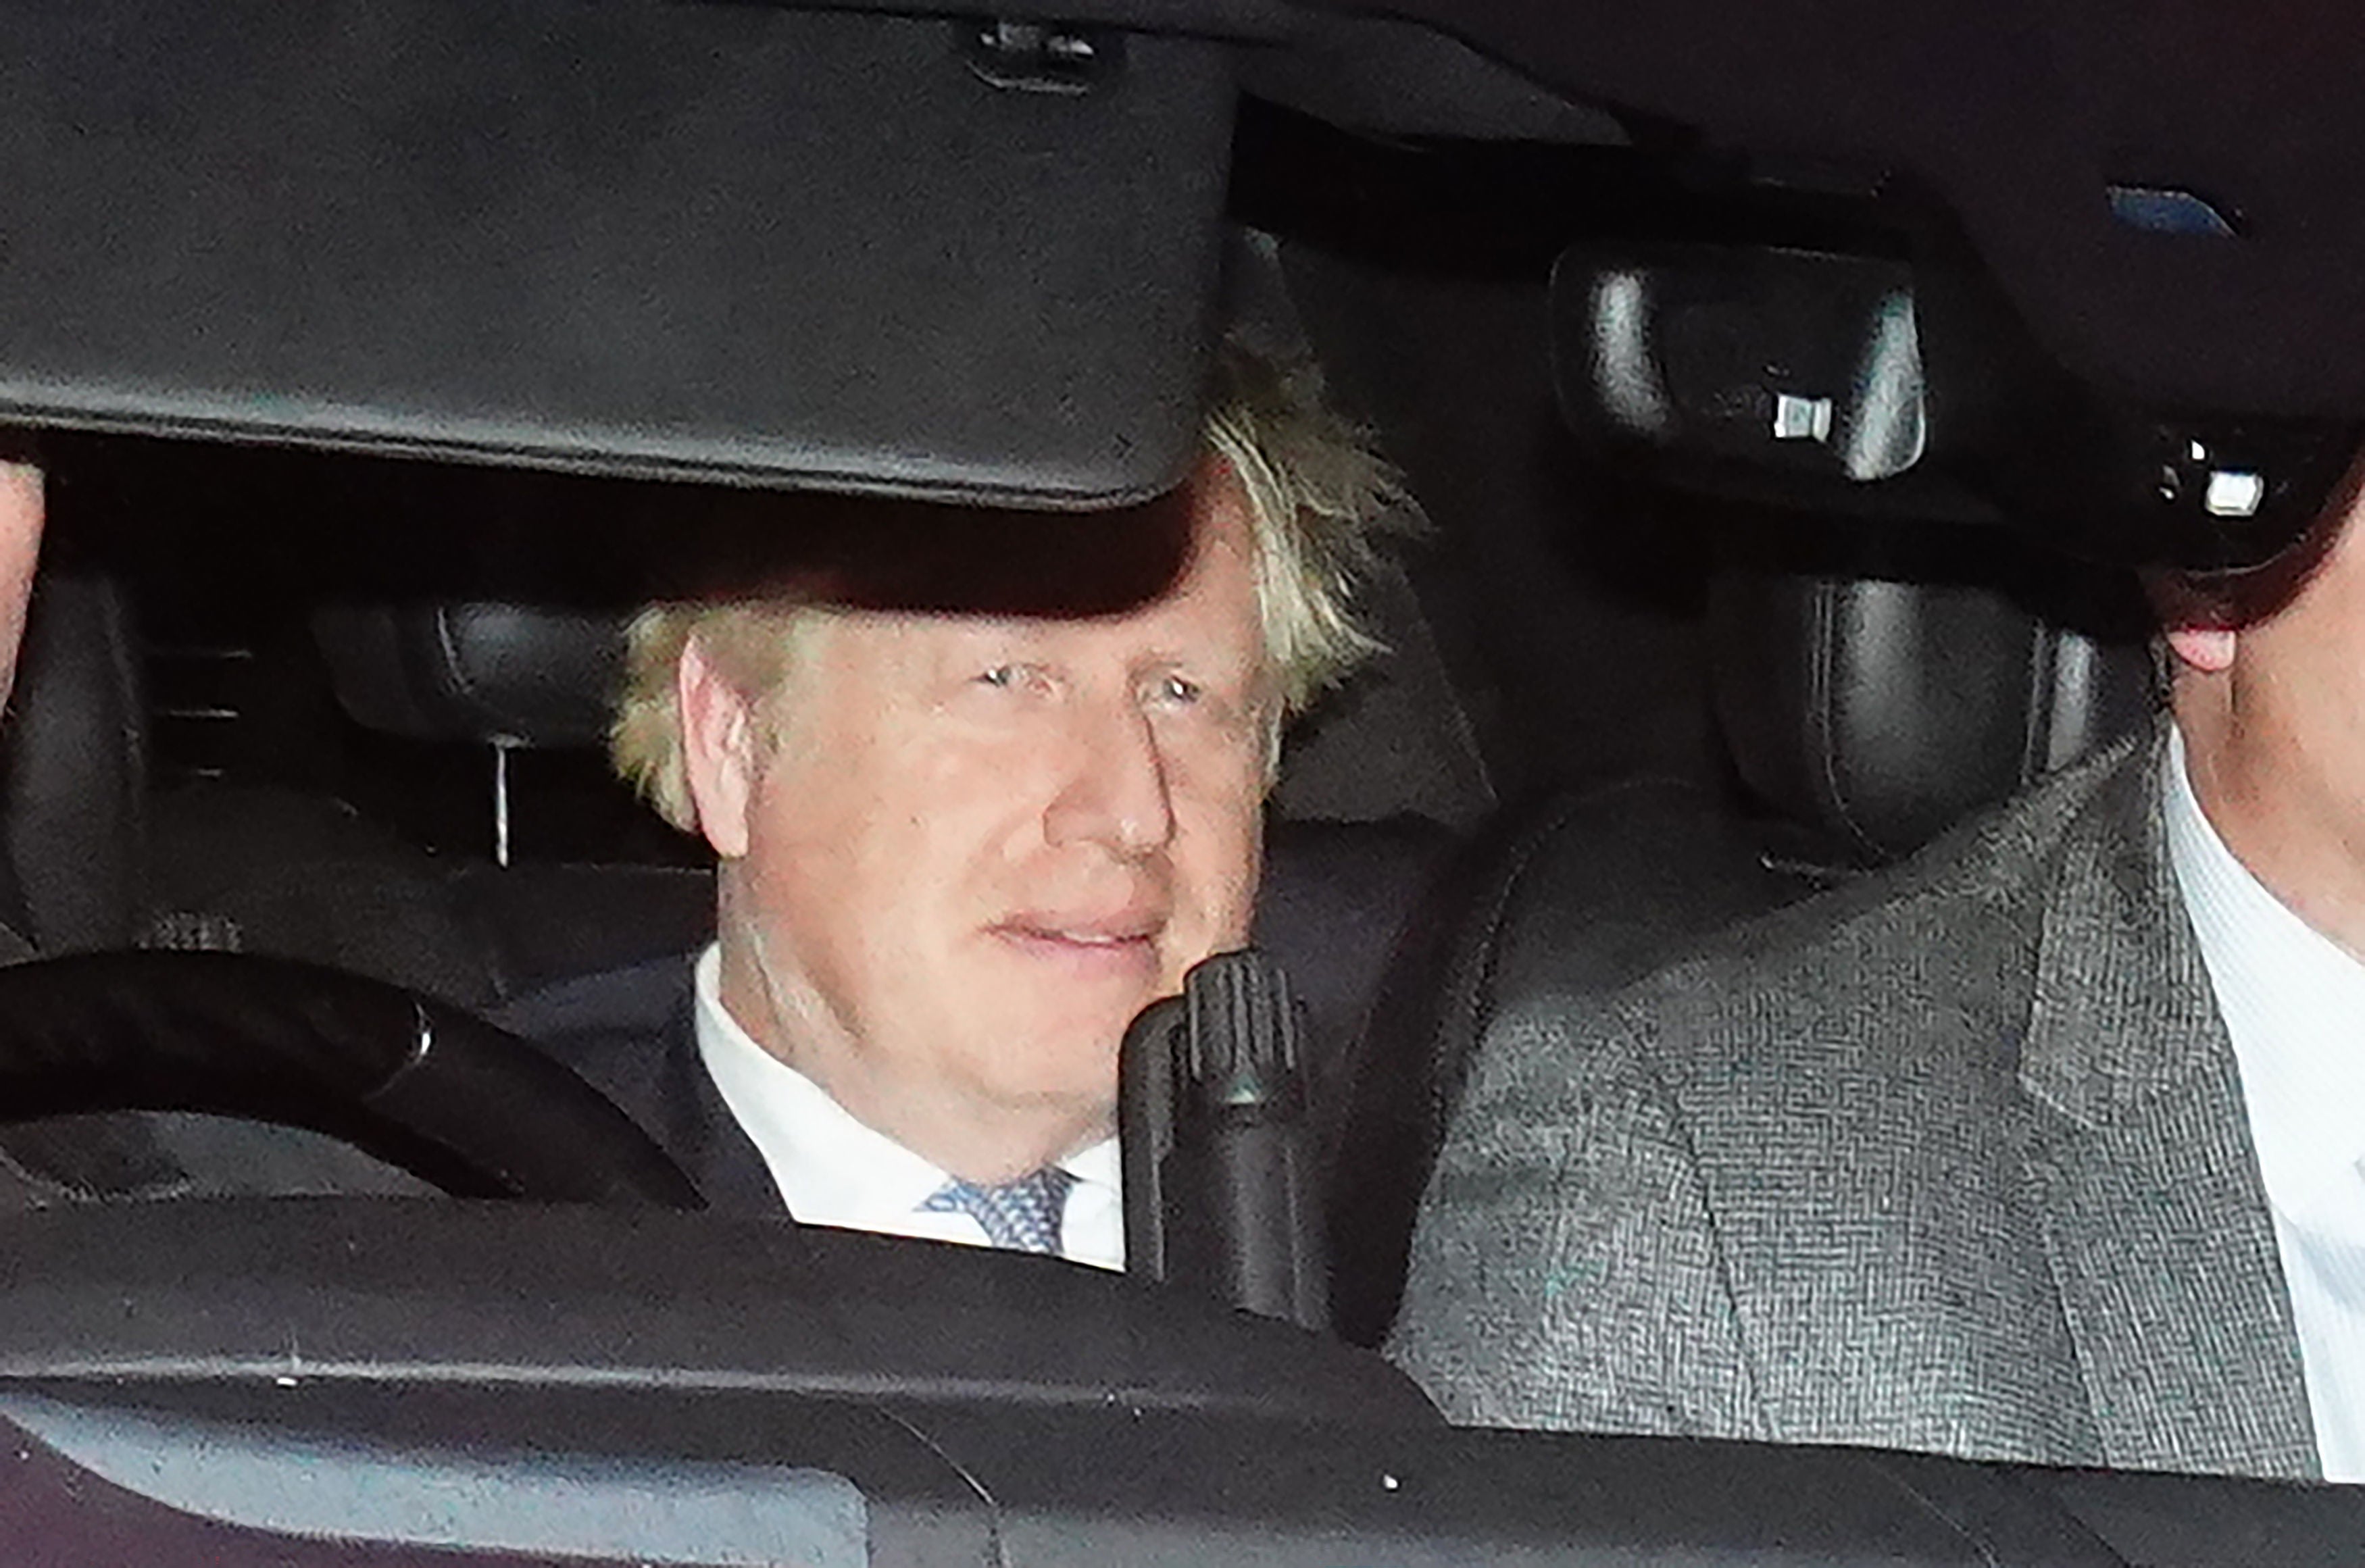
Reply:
x=720, y=751
x=2204, y=650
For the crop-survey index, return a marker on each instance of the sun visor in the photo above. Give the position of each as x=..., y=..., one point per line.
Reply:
x=1872, y=387
x=921, y=256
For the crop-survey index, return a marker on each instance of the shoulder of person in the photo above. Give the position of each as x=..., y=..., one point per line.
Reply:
x=617, y=1029
x=640, y=998
x=611, y=1026
x=1950, y=932
x=1569, y=1267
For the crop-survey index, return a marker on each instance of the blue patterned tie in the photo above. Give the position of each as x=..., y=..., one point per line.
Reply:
x=1021, y=1216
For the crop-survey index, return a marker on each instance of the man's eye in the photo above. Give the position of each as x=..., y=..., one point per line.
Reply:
x=1176, y=689
x=999, y=676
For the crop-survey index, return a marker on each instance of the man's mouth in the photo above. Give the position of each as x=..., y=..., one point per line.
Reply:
x=1122, y=943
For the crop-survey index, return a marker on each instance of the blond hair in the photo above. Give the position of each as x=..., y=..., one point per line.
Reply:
x=1318, y=496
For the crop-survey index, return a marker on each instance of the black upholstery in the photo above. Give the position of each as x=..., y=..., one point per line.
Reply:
x=73, y=771
x=537, y=924
x=1395, y=740
x=284, y=872
x=1336, y=901
x=258, y=869
x=1869, y=715
x=1879, y=712
x=275, y=871
x=477, y=672
x=84, y=861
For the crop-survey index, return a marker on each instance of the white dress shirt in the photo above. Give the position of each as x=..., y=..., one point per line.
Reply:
x=2294, y=1002
x=832, y=1169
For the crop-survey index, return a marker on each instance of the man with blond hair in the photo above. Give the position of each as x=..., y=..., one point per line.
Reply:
x=961, y=845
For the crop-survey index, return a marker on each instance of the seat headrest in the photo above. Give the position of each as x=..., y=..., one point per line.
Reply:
x=495, y=674
x=1881, y=712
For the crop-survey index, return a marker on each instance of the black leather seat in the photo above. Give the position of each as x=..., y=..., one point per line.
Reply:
x=78, y=873
x=1863, y=716
x=73, y=772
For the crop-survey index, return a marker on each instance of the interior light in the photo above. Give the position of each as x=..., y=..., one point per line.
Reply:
x=2233, y=493
x=1801, y=419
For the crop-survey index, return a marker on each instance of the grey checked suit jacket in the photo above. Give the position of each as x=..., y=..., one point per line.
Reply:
x=1955, y=1160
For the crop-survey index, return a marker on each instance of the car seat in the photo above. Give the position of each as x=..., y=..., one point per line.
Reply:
x=510, y=677
x=75, y=845
x=1862, y=715
x=74, y=773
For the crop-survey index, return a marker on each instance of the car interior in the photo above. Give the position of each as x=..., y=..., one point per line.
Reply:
x=1785, y=419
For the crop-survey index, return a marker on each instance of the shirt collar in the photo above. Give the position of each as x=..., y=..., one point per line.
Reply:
x=831, y=1167
x=2292, y=1000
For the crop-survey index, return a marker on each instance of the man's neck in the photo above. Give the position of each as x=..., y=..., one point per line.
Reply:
x=2296, y=839
x=976, y=1139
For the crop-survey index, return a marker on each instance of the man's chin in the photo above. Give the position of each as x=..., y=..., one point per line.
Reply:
x=1046, y=1062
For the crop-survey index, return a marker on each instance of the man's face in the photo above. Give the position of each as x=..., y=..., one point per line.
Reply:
x=982, y=846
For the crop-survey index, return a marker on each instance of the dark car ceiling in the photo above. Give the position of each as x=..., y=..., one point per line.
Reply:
x=2019, y=116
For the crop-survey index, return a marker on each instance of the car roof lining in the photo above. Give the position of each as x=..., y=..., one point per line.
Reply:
x=2020, y=116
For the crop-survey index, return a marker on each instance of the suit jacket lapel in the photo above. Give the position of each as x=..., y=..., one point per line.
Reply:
x=2156, y=1225
x=698, y=1129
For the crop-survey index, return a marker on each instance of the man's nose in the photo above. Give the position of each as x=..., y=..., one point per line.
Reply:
x=1115, y=791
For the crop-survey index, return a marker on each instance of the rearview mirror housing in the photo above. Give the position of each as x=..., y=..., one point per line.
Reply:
x=1872, y=386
